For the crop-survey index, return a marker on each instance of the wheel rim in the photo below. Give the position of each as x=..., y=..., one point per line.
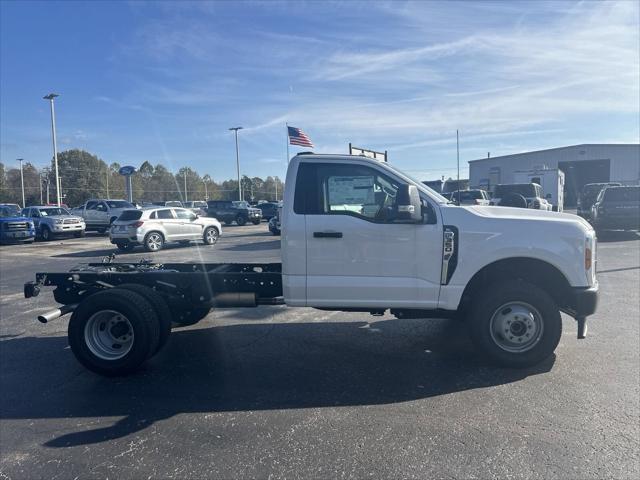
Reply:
x=211, y=236
x=109, y=335
x=516, y=327
x=45, y=234
x=154, y=242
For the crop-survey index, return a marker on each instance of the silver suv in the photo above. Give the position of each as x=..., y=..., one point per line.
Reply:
x=51, y=222
x=153, y=227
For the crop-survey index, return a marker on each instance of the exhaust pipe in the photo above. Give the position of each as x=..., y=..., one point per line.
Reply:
x=57, y=313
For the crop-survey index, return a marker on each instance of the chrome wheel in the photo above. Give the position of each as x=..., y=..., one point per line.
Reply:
x=211, y=236
x=154, y=242
x=516, y=327
x=109, y=335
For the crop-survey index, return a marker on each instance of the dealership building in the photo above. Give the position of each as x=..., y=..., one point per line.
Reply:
x=581, y=164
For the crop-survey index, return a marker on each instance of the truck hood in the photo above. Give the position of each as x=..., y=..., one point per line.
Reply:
x=14, y=219
x=520, y=214
x=63, y=217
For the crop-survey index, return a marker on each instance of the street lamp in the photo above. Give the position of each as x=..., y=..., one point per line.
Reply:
x=22, y=182
x=235, y=130
x=50, y=97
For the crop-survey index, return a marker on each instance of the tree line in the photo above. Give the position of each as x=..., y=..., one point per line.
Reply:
x=84, y=175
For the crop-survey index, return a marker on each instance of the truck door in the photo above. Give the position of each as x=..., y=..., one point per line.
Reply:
x=101, y=214
x=358, y=253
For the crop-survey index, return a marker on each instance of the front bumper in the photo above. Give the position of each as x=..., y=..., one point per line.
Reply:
x=582, y=302
x=18, y=236
x=67, y=228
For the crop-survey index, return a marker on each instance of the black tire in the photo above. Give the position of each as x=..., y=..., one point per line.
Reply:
x=256, y=222
x=161, y=308
x=228, y=221
x=502, y=301
x=45, y=234
x=276, y=232
x=101, y=230
x=189, y=317
x=144, y=330
x=210, y=236
x=79, y=234
x=241, y=221
x=125, y=247
x=514, y=200
x=153, y=242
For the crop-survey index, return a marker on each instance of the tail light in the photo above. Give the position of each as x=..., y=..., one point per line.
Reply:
x=587, y=258
x=137, y=224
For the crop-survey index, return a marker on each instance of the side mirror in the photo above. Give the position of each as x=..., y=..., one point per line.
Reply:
x=409, y=207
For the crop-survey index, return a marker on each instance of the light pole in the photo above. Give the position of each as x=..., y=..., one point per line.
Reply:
x=205, y=179
x=235, y=129
x=40, y=182
x=22, y=182
x=50, y=97
x=185, y=184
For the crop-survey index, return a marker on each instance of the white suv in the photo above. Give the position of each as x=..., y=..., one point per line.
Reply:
x=153, y=227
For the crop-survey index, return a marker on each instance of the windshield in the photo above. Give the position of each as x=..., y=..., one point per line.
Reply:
x=9, y=212
x=13, y=210
x=50, y=212
x=119, y=204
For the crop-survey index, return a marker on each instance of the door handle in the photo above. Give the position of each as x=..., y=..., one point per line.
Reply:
x=327, y=234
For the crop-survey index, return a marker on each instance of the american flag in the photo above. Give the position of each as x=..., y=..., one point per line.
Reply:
x=298, y=137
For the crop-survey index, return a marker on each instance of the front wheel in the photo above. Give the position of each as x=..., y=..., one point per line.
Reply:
x=516, y=324
x=241, y=221
x=46, y=234
x=256, y=221
x=79, y=234
x=210, y=236
x=153, y=242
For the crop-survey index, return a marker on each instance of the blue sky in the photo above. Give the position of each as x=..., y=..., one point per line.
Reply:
x=163, y=81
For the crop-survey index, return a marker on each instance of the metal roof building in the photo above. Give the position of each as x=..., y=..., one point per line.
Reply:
x=581, y=164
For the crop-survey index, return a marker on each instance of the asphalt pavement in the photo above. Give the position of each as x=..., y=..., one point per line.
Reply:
x=276, y=392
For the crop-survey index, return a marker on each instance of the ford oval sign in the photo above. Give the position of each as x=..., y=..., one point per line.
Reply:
x=127, y=170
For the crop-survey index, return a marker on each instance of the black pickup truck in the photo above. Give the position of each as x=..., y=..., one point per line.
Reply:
x=228, y=211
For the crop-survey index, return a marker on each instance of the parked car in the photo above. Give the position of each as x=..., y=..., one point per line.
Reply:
x=469, y=197
x=14, y=227
x=99, y=214
x=233, y=211
x=199, y=207
x=589, y=195
x=268, y=209
x=168, y=203
x=51, y=222
x=522, y=195
x=154, y=227
x=617, y=208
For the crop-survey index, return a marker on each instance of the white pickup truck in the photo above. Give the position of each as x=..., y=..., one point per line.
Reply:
x=99, y=214
x=357, y=235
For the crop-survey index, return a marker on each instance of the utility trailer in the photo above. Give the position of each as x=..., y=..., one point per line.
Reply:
x=122, y=313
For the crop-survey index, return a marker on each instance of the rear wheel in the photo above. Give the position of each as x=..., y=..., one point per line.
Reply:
x=241, y=221
x=210, y=236
x=159, y=306
x=153, y=242
x=516, y=324
x=113, y=332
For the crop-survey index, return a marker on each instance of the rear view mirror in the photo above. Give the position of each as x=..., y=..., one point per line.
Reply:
x=408, y=204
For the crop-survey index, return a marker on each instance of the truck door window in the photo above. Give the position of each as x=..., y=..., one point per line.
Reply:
x=358, y=191
x=101, y=207
x=92, y=205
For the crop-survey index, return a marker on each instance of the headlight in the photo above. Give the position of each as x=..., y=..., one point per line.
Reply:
x=58, y=221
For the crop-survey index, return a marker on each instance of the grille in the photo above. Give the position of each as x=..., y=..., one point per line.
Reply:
x=16, y=226
x=71, y=220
